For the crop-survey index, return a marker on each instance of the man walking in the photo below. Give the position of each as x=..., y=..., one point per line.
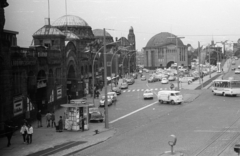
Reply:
x=53, y=119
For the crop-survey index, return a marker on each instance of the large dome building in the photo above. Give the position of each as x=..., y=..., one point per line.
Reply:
x=160, y=51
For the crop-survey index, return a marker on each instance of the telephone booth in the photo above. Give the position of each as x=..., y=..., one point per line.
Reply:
x=76, y=116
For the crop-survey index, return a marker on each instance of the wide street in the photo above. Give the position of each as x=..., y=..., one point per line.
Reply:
x=207, y=126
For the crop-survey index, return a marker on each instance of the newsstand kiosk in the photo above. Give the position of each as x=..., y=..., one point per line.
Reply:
x=76, y=117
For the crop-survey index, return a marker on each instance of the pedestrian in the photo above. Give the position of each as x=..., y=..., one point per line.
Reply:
x=97, y=93
x=39, y=118
x=9, y=130
x=29, y=133
x=53, y=119
x=60, y=124
x=48, y=118
x=23, y=131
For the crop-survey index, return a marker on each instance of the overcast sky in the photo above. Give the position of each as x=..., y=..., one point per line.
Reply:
x=196, y=20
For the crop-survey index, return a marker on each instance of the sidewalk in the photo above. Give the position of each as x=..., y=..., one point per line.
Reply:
x=47, y=138
x=44, y=138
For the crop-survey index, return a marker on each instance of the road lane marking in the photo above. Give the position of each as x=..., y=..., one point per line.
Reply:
x=124, y=91
x=156, y=89
x=129, y=90
x=151, y=89
x=138, y=89
x=133, y=112
x=133, y=90
x=142, y=89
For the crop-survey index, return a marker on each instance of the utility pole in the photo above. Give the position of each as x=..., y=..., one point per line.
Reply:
x=105, y=81
x=178, y=61
x=199, y=61
x=209, y=52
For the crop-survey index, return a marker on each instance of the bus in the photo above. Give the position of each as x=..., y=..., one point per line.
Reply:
x=226, y=87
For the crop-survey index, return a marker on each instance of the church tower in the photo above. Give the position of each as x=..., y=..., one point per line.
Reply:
x=131, y=38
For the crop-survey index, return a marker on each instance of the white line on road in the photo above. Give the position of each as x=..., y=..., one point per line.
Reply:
x=129, y=90
x=133, y=90
x=124, y=91
x=142, y=89
x=133, y=112
x=138, y=89
x=156, y=89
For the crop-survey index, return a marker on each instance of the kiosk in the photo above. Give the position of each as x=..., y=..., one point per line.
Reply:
x=76, y=116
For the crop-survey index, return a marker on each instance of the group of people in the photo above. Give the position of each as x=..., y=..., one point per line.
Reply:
x=27, y=132
x=50, y=119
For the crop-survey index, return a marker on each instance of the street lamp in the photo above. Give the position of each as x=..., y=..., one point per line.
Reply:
x=177, y=58
x=94, y=68
x=112, y=60
x=124, y=59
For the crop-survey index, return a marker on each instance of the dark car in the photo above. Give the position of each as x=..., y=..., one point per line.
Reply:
x=117, y=90
x=135, y=76
x=95, y=114
x=233, y=68
x=152, y=79
x=130, y=81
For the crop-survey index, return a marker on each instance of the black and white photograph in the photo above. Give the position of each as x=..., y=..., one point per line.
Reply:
x=119, y=78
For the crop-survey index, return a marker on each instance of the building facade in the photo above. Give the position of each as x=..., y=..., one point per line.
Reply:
x=160, y=51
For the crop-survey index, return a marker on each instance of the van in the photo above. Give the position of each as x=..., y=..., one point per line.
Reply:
x=170, y=96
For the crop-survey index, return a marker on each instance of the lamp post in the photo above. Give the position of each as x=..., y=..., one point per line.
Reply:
x=112, y=60
x=177, y=58
x=93, y=75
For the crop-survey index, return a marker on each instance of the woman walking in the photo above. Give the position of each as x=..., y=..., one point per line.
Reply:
x=23, y=131
x=29, y=133
x=60, y=124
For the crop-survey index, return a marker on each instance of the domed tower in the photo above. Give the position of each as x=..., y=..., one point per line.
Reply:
x=131, y=38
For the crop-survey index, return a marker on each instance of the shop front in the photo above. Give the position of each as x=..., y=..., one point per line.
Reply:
x=76, y=116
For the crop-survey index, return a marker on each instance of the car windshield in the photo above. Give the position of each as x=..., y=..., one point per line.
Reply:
x=177, y=94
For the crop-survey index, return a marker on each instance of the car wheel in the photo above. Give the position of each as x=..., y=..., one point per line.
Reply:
x=101, y=120
x=172, y=102
x=223, y=94
x=180, y=103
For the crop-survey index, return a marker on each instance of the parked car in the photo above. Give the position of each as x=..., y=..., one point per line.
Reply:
x=124, y=85
x=117, y=90
x=164, y=81
x=135, y=75
x=113, y=95
x=143, y=78
x=152, y=79
x=239, y=67
x=95, y=114
x=102, y=101
x=130, y=81
x=171, y=78
x=237, y=71
x=148, y=94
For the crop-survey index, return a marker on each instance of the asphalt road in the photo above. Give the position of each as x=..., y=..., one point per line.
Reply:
x=207, y=126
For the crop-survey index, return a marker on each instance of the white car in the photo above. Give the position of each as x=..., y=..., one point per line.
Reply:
x=113, y=95
x=238, y=67
x=164, y=81
x=237, y=71
x=102, y=101
x=148, y=94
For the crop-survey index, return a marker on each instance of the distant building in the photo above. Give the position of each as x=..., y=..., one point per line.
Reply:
x=160, y=51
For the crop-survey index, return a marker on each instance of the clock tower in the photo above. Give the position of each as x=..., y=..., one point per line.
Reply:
x=131, y=38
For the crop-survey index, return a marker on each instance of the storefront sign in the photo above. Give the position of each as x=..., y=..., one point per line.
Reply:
x=41, y=83
x=59, y=92
x=17, y=105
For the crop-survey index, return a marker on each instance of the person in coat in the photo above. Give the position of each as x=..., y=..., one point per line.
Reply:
x=53, y=119
x=9, y=130
x=29, y=133
x=48, y=118
x=23, y=131
x=60, y=124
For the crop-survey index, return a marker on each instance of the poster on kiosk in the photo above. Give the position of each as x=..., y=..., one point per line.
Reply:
x=76, y=116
